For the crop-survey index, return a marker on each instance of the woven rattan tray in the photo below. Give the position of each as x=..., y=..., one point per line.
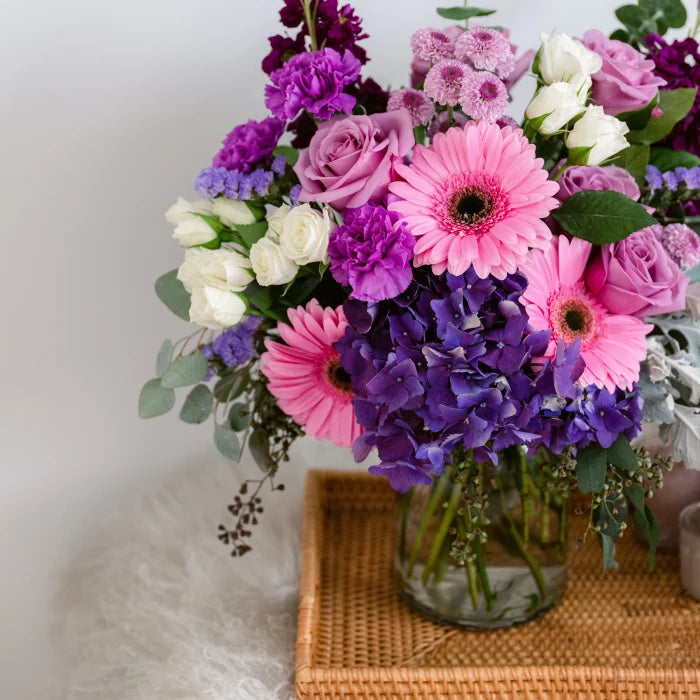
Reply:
x=626, y=634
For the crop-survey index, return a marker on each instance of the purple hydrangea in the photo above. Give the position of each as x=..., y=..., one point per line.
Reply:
x=249, y=145
x=233, y=347
x=371, y=252
x=313, y=81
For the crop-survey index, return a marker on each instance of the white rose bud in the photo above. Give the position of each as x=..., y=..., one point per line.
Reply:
x=193, y=231
x=604, y=134
x=233, y=212
x=563, y=59
x=222, y=269
x=561, y=102
x=275, y=222
x=216, y=308
x=270, y=264
x=304, y=236
x=182, y=210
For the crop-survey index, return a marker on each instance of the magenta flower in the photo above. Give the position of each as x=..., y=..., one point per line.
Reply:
x=483, y=96
x=418, y=104
x=681, y=243
x=444, y=81
x=486, y=49
x=432, y=44
x=249, y=144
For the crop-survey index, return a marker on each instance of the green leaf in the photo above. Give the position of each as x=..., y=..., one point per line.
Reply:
x=673, y=12
x=419, y=134
x=591, y=467
x=155, y=399
x=239, y=417
x=611, y=513
x=621, y=35
x=231, y=386
x=602, y=217
x=215, y=224
x=173, y=294
x=608, y=545
x=631, y=16
x=620, y=454
x=463, y=13
x=669, y=159
x=259, y=446
x=639, y=118
x=634, y=160
x=185, y=371
x=675, y=105
x=290, y=154
x=644, y=520
x=537, y=122
x=579, y=155
x=198, y=405
x=260, y=297
x=164, y=355
x=227, y=442
x=251, y=233
x=300, y=290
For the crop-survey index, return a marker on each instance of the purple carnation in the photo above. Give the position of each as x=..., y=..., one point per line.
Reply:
x=371, y=252
x=315, y=82
x=249, y=144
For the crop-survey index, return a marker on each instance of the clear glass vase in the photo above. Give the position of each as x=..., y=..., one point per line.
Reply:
x=484, y=546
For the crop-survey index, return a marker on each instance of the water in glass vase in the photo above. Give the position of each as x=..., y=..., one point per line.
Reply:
x=484, y=546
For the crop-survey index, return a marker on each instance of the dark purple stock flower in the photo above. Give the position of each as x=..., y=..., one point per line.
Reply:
x=249, y=144
x=371, y=252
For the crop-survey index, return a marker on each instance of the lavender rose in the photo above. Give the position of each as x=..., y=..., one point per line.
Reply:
x=371, y=252
x=637, y=277
x=350, y=159
x=627, y=81
x=579, y=178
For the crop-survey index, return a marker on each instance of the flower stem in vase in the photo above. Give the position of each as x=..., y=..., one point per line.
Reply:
x=445, y=524
x=544, y=519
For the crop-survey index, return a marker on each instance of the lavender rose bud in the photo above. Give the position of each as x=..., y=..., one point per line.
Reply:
x=350, y=159
x=627, y=81
x=579, y=178
x=371, y=252
x=637, y=277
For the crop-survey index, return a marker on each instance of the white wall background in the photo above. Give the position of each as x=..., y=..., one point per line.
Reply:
x=107, y=111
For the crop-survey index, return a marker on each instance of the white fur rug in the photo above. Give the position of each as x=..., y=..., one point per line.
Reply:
x=157, y=610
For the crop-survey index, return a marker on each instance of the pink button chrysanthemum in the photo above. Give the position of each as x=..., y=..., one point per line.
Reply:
x=484, y=96
x=432, y=44
x=476, y=196
x=305, y=375
x=486, y=49
x=556, y=298
x=444, y=81
x=418, y=104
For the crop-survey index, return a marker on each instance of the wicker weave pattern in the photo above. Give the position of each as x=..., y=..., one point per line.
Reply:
x=631, y=634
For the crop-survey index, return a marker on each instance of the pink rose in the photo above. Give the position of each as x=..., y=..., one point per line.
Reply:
x=637, y=277
x=579, y=178
x=627, y=81
x=350, y=160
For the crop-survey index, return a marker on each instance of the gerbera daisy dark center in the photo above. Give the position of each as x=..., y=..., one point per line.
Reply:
x=337, y=376
x=573, y=318
x=471, y=205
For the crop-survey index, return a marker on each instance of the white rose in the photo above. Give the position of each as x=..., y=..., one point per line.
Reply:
x=233, y=212
x=304, y=236
x=275, y=222
x=603, y=133
x=222, y=269
x=216, y=308
x=270, y=264
x=182, y=210
x=563, y=59
x=561, y=102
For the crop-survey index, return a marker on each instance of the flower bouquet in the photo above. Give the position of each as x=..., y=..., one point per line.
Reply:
x=490, y=307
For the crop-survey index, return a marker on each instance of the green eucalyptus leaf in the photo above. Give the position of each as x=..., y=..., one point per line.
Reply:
x=591, y=467
x=185, y=371
x=620, y=454
x=675, y=105
x=644, y=520
x=259, y=446
x=463, y=13
x=602, y=217
x=634, y=160
x=164, y=355
x=291, y=154
x=155, y=399
x=227, y=442
x=198, y=405
x=670, y=159
x=239, y=416
x=608, y=545
x=251, y=233
x=231, y=386
x=173, y=294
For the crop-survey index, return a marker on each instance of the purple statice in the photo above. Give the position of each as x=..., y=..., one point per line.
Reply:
x=315, y=82
x=486, y=49
x=654, y=178
x=371, y=252
x=235, y=346
x=418, y=104
x=249, y=144
x=451, y=363
x=212, y=182
x=294, y=195
x=679, y=64
x=279, y=165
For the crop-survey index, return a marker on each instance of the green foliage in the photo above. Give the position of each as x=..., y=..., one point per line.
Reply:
x=251, y=233
x=620, y=454
x=163, y=359
x=639, y=118
x=634, y=160
x=155, y=399
x=173, y=294
x=259, y=446
x=644, y=520
x=602, y=217
x=239, y=417
x=608, y=545
x=670, y=159
x=591, y=468
x=290, y=154
x=675, y=105
x=185, y=371
x=647, y=17
x=227, y=442
x=198, y=405
x=463, y=13
x=231, y=386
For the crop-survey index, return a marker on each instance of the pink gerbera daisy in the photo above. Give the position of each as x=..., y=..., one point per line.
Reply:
x=476, y=196
x=556, y=298
x=306, y=377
